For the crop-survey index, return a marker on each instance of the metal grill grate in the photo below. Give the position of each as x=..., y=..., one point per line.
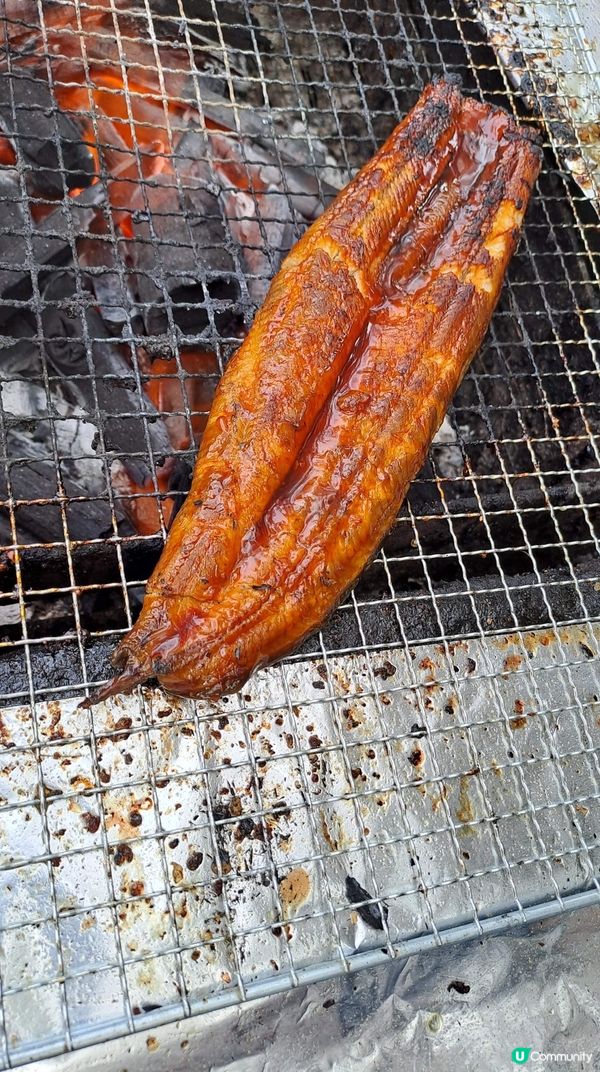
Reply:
x=424, y=770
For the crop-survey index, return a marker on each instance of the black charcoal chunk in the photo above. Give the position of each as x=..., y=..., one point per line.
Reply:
x=13, y=226
x=54, y=237
x=48, y=243
x=100, y=256
x=180, y=249
x=49, y=140
x=261, y=221
x=43, y=522
x=281, y=159
x=371, y=914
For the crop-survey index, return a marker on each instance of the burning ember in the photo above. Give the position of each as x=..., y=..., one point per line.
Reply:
x=138, y=235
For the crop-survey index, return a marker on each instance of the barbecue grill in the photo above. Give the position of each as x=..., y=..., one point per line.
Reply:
x=426, y=768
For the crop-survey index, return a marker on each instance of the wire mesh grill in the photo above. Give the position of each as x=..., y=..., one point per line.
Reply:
x=426, y=768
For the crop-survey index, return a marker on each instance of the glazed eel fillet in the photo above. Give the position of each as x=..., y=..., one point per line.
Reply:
x=327, y=410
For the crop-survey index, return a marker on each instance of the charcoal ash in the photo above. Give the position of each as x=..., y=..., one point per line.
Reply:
x=97, y=378
x=72, y=412
x=46, y=439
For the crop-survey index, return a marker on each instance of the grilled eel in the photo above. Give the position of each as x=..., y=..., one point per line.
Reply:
x=328, y=408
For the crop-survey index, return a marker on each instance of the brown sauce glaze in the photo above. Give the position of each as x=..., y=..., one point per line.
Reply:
x=304, y=539
x=431, y=241
x=281, y=377
x=397, y=383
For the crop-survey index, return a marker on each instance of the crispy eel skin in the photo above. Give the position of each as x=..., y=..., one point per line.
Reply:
x=337, y=494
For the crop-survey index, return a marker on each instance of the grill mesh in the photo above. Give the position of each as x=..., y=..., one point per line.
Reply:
x=432, y=756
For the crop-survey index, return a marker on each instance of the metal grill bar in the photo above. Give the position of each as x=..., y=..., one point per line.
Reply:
x=427, y=768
